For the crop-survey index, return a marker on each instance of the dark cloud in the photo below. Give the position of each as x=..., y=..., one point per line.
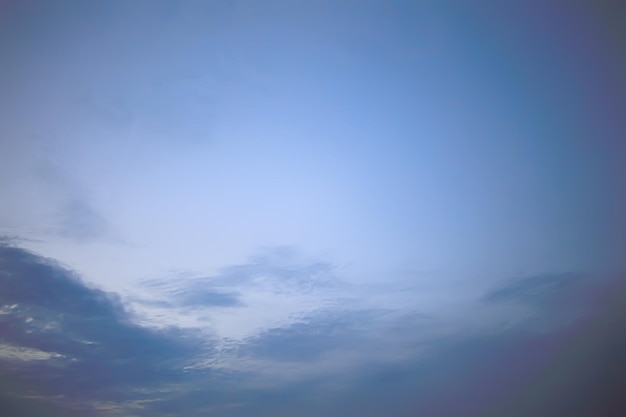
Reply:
x=97, y=351
x=576, y=370
x=586, y=371
x=76, y=353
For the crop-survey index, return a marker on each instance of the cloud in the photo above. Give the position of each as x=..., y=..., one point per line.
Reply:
x=74, y=216
x=585, y=375
x=75, y=350
x=85, y=345
x=209, y=298
x=273, y=289
x=309, y=339
x=550, y=301
x=193, y=294
x=80, y=221
x=282, y=269
x=536, y=289
x=43, y=199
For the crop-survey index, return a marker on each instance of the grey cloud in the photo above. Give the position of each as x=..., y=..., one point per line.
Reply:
x=109, y=366
x=513, y=373
x=209, y=298
x=278, y=270
x=194, y=293
x=75, y=216
x=575, y=370
x=42, y=196
x=281, y=268
x=537, y=289
x=14, y=240
x=550, y=301
x=586, y=371
x=101, y=353
x=313, y=337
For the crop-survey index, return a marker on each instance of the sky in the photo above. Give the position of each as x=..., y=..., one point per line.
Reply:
x=306, y=208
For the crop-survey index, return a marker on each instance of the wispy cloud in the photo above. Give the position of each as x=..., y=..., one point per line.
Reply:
x=43, y=200
x=273, y=289
x=537, y=289
x=80, y=221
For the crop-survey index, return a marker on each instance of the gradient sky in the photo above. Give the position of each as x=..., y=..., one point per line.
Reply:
x=301, y=208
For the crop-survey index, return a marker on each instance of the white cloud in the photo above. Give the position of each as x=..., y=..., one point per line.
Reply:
x=24, y=354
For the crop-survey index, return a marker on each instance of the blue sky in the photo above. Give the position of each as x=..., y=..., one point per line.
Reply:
x=288, y=207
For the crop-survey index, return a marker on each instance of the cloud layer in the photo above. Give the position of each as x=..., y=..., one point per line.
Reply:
x=70, y=347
